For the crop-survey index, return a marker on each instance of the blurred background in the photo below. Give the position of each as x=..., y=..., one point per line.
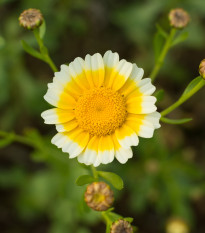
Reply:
x=164, y=179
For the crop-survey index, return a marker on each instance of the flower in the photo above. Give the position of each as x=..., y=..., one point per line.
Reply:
x=176, y=225
x=31, y=18
x=121, y=226
x=178, y=18
x=99, y=196
x=202, y=69
x=102, y=106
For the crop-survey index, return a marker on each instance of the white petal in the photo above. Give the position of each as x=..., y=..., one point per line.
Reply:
x=137, y=73
x=126, y=137
x=122, y=154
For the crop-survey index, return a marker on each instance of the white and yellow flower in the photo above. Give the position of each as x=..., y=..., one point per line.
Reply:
x=102, y=105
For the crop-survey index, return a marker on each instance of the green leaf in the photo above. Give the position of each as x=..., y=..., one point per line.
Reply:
x=84, y=179
x=31, y=51
x=175, y=121
x=191, y=85
x=113, y=178
x=158, y=44
x=6, y=141
x=42, y=29
x=161, y=31
x=159, y=95
x=182, y=37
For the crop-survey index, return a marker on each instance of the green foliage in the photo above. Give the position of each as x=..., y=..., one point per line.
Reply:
x=85, y=179
x=113, y=178
x=40, y=180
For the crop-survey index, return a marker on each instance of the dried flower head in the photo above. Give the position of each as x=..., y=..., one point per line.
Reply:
x=202, y=69
x=31, y=18
x=99, y=196
x=177, y=225
x=178, y=18
x=121, y=226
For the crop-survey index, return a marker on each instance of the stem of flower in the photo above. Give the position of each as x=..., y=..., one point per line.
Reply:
x=17, y=138
x=183, y=98
x=94, y=171
x=162, y=55
x=44, y=51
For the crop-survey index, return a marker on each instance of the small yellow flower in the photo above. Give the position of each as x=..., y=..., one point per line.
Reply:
x=179, y=18
x=99, y=196
x=202, y=69
x=31, y=18
x=102, y=106
x=121, y=226
x=176, y=225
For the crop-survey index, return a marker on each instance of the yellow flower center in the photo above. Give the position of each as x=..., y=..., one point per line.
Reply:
x=100, y=111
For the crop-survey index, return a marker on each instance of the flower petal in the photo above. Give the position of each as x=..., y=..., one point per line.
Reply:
x=94, y=69
x=57, y=115
x=141, y=105
x=59, y=98
x=121, y=154
x=90, y=154
x=120, y=74
x=126, y=136
x=110, y=61
x=67, y=126
x=76, y=70
x=106, y=149
x=73, y=143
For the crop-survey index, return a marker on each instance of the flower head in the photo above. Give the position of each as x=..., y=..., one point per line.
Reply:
x=102, y=105
x=99, y=196
x=178, y=18
x=176, y=225
x=31, y=18
x=121, y=226
x=202, y=69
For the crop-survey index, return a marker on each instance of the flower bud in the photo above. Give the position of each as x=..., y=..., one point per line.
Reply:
x=99, y=196
x=176, y=225
x=31, y=19
x=121, y=226
x=202, y=69
x=178, y=18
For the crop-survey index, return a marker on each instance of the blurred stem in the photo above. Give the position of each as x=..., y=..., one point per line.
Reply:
x=17, y=138
x=183, y=98
x=106, y=217
x=162, y=55
x=44, y=51
x=94, y=171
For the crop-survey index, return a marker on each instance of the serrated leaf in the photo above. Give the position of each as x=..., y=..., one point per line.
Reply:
x=191, y=85
x=113, y=178
x=31, y=51
x=42, y=29
x=159, y=95
x=182, y=37
x=175, y=121
x=161, y=31
x=84, y=179
x=158, y=44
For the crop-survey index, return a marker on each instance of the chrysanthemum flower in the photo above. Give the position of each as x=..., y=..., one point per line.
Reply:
x=102, y=105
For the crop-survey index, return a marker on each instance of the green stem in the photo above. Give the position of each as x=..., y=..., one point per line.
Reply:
x=183, y=98
x=94, y=171
x=106, y=217
x=17, y=138
x=162, y=55
x=44, y=51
